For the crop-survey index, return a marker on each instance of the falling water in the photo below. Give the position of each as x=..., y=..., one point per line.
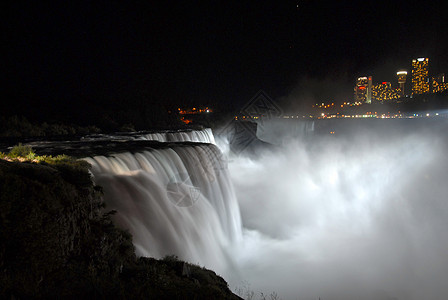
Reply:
x=359, y=214
x=174, y=201
x=198, y=136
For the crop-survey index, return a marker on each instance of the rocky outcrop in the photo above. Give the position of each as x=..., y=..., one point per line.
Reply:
x=57, y=241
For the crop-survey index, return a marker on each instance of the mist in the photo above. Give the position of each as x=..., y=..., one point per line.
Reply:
x=358, y=216
x=308, y=91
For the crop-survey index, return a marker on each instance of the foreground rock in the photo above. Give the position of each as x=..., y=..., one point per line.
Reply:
x=57, y=241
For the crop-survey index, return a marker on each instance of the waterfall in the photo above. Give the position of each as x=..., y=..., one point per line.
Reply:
x=360, y=214
x=197, y=136
x=178, y=200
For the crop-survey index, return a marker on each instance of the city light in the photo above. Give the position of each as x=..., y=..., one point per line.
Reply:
x=420, y=79
x=194, y=111
x=366, y=92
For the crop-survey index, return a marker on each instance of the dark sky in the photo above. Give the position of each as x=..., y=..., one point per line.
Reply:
x=62, y=54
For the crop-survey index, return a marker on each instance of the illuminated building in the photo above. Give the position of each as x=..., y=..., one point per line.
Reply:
x=402, y=80
x=363, y=93
x=420, y=79
x=439, y=84
x=385, y=92
x=369, y=90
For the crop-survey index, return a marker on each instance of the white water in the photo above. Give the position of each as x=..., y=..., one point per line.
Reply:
x=360, y=217
x=198, y=136
x=203, y=136
x=174, y=201
x=357, y=217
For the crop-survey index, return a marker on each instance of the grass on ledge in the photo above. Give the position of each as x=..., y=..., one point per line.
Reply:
x=24, y=153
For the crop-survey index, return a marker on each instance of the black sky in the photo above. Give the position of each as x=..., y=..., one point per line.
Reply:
x=63, y=54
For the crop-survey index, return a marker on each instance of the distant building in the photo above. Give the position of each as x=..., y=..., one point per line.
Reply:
x=420, y=76
x=402, y=80
x=439, y=84
x=369, y=90
x=384, y=92
x=363, y=90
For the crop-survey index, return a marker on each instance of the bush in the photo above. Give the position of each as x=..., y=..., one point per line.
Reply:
x=21, y=151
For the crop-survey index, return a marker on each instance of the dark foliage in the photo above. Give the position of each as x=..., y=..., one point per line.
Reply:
x=19, y=126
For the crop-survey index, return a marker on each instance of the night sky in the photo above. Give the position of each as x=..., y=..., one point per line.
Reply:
x=63, y=55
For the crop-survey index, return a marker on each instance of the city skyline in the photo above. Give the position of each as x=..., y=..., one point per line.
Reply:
x=421, y=81
x=77, y=60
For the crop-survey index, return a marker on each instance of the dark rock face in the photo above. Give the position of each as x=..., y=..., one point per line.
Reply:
x=173, y=279
x=57, y=241
x=54, y=236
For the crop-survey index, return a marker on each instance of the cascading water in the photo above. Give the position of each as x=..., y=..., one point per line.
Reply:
x=361, y=214
x=198, y=136
x=176, y=200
